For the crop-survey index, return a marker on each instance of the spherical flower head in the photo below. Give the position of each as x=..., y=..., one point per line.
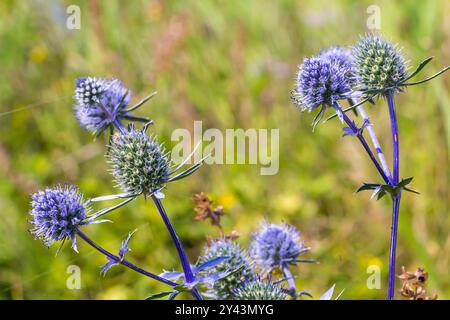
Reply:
x=138, y=162
x=319, y=82
x=342, y=58
x=57, y=213
x=223, y=289
x=89, y=90
x=378, y=64
x=275, y=246
x=99, y=103
x=258, y=289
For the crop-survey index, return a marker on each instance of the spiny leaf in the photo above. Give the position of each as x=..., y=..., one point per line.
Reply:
x=380, y=190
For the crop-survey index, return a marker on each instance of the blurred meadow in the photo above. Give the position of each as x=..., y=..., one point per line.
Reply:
x=230, y=64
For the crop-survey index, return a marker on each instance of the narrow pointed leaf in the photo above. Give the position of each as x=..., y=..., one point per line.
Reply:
x=329, y=294
x=159, y=295
x=339, y=295
x=140, y=103
x=405, y=84
x=211, y=263
x=187, y=158
x=115, y=196
x=107, y=210
x=419, y=68
x=173, y=295
x=318, y=117
x=172, y=275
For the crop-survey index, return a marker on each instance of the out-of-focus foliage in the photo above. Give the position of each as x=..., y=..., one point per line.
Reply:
x=230, y=64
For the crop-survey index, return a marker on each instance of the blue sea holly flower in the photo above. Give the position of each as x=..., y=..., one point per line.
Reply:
x=238, y=263
x=342, y=58
x=57, y=213
x=275, y=246
x=89, y=90
x=379, y=64
x=139, y=163
x=320, y=82
x=258, y=289
x=102, y=104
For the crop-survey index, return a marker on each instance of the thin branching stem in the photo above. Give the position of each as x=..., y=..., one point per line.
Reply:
x=122, y=261
x=375, y=142
x=363, y=141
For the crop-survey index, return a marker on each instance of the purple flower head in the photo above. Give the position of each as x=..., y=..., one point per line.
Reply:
x=56, y=214
x=100, y=103
x=260, y=289
x=342, y=58
x=320, y=82
x=275, y=246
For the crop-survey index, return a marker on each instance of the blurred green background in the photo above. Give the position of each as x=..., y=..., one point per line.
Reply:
x=230, y=64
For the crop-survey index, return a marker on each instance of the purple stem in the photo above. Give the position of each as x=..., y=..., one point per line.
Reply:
x=188, y=274
x=363, y=141
x=393, y=246
x=124, y=261
x=291, y=282
x=395, y=199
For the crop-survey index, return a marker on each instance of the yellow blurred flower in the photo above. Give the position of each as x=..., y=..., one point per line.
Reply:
x=38, y=53
x=226, y=200
x=374, y=261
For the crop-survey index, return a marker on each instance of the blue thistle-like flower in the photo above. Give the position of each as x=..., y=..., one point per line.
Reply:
x=258, y=289
x=342, y=58
x=320, y=82
x=223, y=289
x=57, y=212
x=139, y=163
x=100, y=103
x=378, y=64
x=275, y=246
